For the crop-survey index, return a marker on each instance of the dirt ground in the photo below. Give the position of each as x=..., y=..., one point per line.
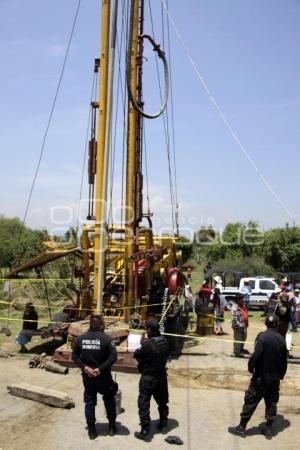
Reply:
x=206, y=395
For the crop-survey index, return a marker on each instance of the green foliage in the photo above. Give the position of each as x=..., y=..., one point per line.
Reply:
x=282, y=249
x=18, y=244
x=186, y=247
x=249, y=265
x=205, y=235
x=247, y=245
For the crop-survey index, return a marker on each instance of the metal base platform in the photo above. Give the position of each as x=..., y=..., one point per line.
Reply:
x=125, y=362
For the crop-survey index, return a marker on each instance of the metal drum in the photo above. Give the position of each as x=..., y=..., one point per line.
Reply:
x=205, y=322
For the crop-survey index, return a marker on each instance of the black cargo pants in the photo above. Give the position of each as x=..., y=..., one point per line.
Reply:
x=158, y=388
x=104, y=386
x=260, y=389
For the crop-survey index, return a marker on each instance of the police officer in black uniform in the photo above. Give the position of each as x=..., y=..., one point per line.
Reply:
x=152, y=358
x=95, y=353
x=268, y=364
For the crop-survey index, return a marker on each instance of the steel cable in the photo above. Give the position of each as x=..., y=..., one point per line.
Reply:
x=223, y=118
x=167, y=137
x=50, y=117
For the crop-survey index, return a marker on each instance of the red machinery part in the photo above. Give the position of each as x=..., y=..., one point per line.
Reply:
x=174, y=279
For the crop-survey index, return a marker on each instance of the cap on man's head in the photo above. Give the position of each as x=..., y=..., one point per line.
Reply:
x=218, y=279
x=297, y=291
x=152, y=325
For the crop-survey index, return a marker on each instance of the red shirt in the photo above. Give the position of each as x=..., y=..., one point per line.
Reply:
x=206, y=291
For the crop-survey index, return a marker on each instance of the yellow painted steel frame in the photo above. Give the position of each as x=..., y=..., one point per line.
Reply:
x=103, y=83
x=130, y=167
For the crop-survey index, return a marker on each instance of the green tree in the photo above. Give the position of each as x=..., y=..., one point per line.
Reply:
x=186, y=247
x=282, y=249
x=17, y=243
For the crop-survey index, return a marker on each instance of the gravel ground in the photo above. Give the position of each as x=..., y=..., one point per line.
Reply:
x=205, y=398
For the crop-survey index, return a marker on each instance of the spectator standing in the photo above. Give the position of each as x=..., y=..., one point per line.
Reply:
x=30, y=325
x=188, y=304
x=247, y=292
x=206, y=290
x=218, y=283
x=271, y=305
x=219, y=304
x=189, y=274
x=297, y=301
x=294, y=302
x=240, y=324
x=284, y=285
x=283, y=311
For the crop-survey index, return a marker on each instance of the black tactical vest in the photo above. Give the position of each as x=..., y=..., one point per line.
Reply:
x=160, y=353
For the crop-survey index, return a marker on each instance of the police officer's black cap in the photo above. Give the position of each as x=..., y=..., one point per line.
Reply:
x=271, y=321
x=152, y=325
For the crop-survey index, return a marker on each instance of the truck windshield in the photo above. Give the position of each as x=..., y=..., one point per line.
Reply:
x=267, y=284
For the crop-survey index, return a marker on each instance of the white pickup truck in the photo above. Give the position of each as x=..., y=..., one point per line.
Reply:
x=261, y=289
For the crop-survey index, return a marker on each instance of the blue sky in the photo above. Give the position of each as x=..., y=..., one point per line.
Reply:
x=247, y=52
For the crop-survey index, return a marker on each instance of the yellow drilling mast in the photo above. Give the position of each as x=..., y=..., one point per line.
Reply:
x=130, y=268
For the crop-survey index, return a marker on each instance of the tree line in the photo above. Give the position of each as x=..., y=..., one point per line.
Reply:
x=239, y=246
x=246, y=247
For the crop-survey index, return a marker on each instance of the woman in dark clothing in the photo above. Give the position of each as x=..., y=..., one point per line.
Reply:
x=283, y=311
x=30, y=325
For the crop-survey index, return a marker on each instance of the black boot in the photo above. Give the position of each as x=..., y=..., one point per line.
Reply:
x=92, y=431
x=144, y=434
x=112, y=429
x=239, y=431
x=267, y=429
x=162, y=426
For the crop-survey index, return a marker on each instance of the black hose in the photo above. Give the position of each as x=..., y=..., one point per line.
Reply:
x=161, y=55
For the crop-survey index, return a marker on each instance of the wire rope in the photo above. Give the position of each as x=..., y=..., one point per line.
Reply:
x=173, y=125
x=223, y=117
x=125, y=19
x=50, y=116
x=167, y=137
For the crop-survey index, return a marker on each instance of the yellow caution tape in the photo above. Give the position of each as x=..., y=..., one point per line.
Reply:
x=132, y=330
x=29, y=320
x=38, y=280
x=86, y=309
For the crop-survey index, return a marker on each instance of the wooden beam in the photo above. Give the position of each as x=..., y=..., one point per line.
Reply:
x=40, y=394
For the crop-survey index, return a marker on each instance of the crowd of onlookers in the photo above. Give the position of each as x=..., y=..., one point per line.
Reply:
x=284, y=303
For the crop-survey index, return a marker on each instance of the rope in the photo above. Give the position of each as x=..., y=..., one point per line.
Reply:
x=166, y=129
x=223, y=118
x=161, y=55
x=173, y=127
x=50, y=118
